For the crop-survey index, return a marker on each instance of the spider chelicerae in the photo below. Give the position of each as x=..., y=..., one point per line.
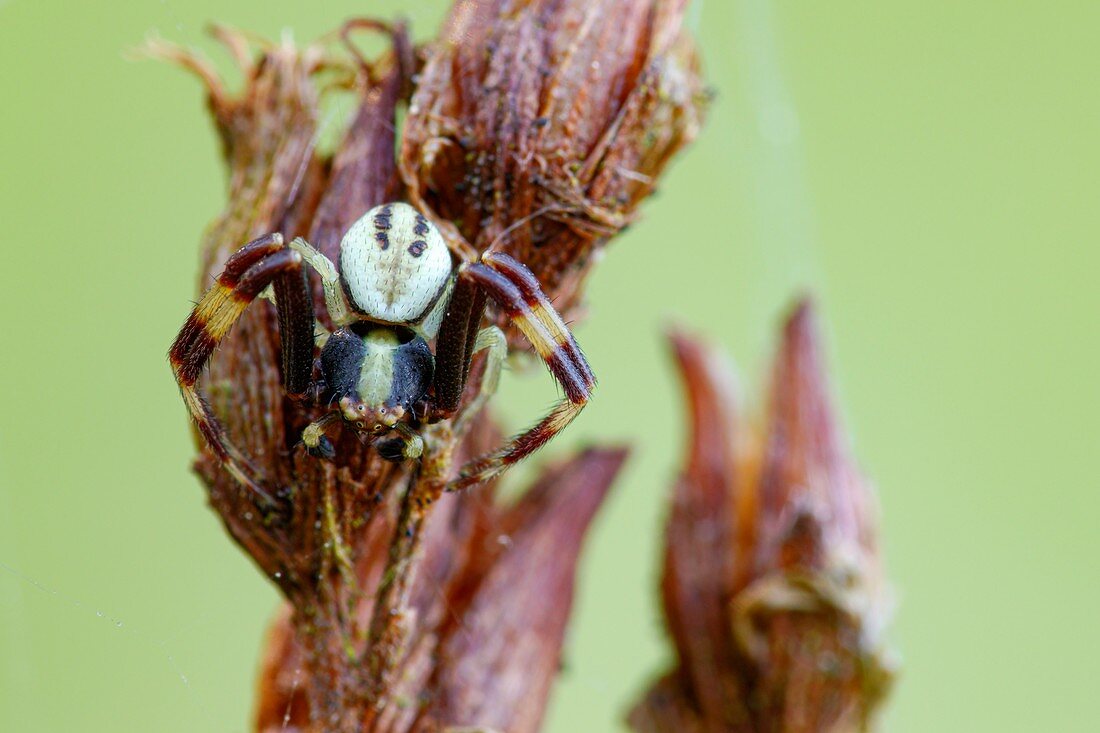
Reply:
x=396, y=289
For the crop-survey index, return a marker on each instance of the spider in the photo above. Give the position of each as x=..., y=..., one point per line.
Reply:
x=396, y=289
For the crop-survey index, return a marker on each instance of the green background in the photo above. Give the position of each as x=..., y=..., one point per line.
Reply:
x=929, y=170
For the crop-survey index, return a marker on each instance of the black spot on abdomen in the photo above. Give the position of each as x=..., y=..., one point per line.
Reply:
x=382, y=218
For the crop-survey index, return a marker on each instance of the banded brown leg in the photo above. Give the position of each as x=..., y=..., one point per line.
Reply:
x=517, y=293
x=261, y=262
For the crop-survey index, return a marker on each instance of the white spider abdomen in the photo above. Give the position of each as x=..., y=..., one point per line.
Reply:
x=394, y=264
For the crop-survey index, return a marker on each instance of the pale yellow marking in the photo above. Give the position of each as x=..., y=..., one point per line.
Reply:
x=225, y=318
x=218, y=311
x=211, y=302
x=376, y=377
x=536, y=332
x=493, y=341
x=553, y=322
x=335, y=301
x=311, y=435
x=414, y=444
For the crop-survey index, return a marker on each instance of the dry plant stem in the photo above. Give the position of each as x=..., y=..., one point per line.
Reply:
x=389, y=625
x=280, y=182
x=408, y=611
x=490, y=600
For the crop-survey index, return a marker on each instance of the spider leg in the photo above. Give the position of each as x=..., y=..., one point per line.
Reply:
x=414, y=444
x=494, y=343
x=455, y=346
x=544, y=312
x=294, y=307
x=262, y=262
x=516, y=291
x=335, y=300
x=313, y=437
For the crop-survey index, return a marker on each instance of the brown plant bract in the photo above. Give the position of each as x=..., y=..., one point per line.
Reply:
x=537, y=126
x=473, y=636
x=491, y=603
x=773, y=586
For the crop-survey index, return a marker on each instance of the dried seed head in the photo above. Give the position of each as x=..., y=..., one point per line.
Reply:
x=617, y=107
x=773, y=585
x=537, y=127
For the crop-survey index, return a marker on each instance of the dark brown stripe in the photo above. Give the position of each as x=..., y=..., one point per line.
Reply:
x=248, y=255
x=382, y=218
x=454, y=344
x=473, y=328
x=212, y=432
x=193, y=332
x=189, y=357
x=503, y=292
x=260, y=275
x=528, y=284
x=194, y=344
x=573, y=352
x=571, y=379
x=582, y=362
x=192, y=328
x=294, y=305
x=566, y=362
x=532, y=440
x=518, y=273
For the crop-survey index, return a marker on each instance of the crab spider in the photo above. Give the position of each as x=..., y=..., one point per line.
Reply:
x=395, y=291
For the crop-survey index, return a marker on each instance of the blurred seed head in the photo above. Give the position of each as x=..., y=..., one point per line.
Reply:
x=773, y=585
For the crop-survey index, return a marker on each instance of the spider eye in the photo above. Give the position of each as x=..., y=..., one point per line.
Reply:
x=360, y=425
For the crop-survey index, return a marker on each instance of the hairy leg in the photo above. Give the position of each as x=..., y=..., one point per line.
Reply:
x=335, y=300
x=260, y=263
x=517, y=293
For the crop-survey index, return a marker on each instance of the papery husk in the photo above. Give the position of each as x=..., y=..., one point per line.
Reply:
x=773, y=584
x=537, y=127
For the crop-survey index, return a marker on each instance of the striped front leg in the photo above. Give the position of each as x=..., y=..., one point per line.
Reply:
x=517, y=293
x=261, y=262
